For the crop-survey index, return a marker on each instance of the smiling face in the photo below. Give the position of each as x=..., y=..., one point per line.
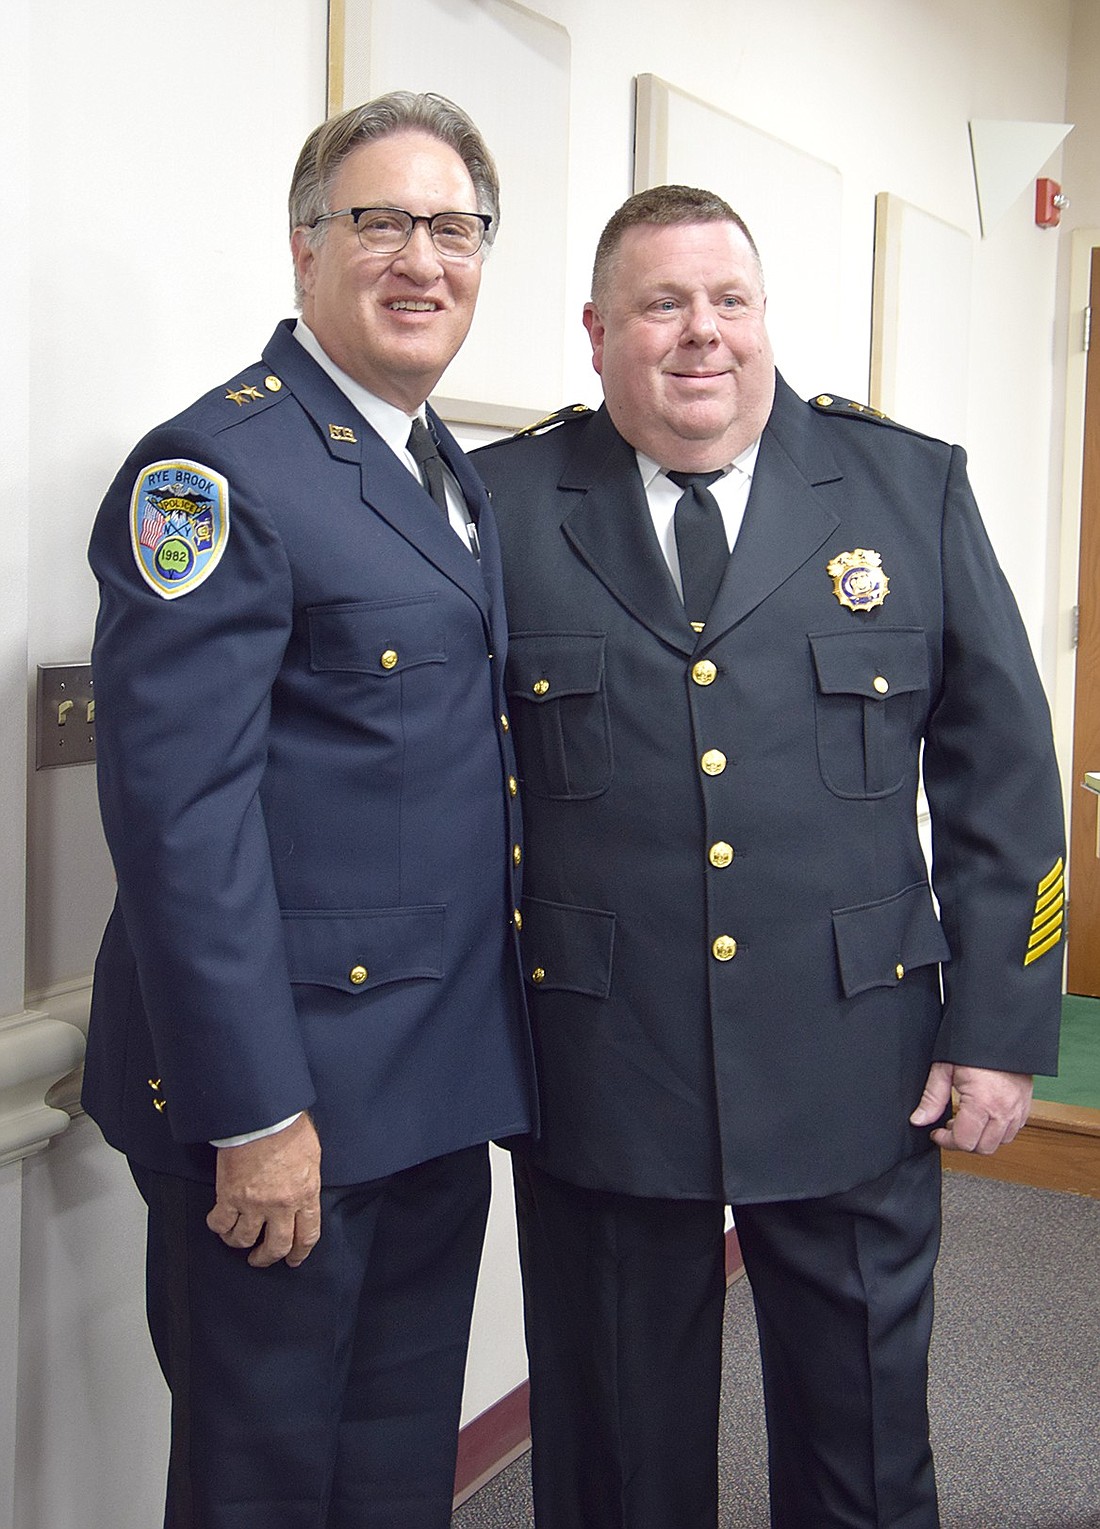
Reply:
x=393, y=322
x=679, y=340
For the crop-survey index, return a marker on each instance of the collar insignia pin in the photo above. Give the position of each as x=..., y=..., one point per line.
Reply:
x=858, y=580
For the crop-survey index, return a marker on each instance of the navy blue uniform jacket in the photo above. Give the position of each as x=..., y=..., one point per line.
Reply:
x=305, y=772
x=732, y=952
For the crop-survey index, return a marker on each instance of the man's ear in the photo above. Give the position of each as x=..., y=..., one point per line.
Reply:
x=302, y=252
x=595, y=326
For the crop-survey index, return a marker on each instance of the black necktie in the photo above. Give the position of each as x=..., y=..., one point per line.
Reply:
x=700, y=543
x=423, y=452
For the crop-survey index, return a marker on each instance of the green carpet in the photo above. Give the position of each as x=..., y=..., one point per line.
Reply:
x=1078, y=1080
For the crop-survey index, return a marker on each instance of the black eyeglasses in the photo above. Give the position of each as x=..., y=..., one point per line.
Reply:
x=385, y=230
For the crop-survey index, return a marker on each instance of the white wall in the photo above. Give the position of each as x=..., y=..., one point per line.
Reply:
x=144, y=257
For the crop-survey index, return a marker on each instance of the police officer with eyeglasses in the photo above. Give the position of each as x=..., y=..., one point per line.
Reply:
x=308, y=1017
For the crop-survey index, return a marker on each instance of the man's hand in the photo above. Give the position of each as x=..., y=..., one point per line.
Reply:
x=991, y=1106
x=271, y=1186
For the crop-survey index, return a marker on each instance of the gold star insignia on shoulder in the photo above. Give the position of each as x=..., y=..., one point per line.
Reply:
x=1046, y=922
x=240, y=396
x=858, y=580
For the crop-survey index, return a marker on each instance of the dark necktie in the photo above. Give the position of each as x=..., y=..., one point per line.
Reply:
x=423, y=451
x=700, y=543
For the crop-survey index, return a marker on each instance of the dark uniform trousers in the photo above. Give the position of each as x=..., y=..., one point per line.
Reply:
x=624, y=1309
x=342, y=1412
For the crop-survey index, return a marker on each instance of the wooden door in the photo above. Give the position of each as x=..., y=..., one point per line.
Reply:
x=1084, y=881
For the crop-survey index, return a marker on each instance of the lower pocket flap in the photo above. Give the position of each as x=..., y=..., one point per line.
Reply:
x=567, y=948
x=358, y=950
x=877, y=943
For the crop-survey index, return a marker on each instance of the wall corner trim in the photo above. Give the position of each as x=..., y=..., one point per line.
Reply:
x=36, y=1050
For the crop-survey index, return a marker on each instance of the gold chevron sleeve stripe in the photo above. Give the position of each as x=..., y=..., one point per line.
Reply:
x=1051, y=877
x=1055, y=908
x=1051, y=896
x=1053, y=926
x=1041, y=950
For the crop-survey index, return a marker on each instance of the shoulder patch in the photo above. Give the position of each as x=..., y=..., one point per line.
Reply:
x=179, y=525
x=559, y=417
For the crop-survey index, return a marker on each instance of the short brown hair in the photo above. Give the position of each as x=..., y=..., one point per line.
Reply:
x=326, y=148
x=662, y=206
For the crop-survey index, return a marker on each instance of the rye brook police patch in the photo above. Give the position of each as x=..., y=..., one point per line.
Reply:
x=179, y=525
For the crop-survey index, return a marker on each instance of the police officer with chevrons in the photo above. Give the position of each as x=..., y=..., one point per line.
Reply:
x=733, y=957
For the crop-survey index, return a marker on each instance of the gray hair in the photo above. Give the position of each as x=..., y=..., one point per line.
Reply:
x=326, y=148
x=662, y=206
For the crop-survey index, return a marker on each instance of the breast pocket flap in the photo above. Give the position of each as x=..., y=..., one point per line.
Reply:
x=383, y=637
x=876, y=663
x=545, y=666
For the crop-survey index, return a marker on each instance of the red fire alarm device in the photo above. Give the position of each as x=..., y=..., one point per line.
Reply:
x=1049, y=202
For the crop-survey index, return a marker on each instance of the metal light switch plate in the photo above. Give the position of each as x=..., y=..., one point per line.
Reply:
x=66, y=715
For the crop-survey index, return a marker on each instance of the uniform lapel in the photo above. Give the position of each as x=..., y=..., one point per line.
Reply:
x=385, y=483
x=785, y=521
x=394, y=494
x=612, y=530
x=489, y=577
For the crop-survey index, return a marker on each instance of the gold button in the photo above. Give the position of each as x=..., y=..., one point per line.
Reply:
x=513, y=785
x=724, y=948
x=538, y=974
x=517, y=854
x=824, y=400
x=721, y=853
x=540, y=687
x=517, y=918
x=713, y=762
x=358, y=975
x=704, y=672
x=389, y=659
x=272, y=384
x=899, y=971
x=503, y=723
x=880, y=684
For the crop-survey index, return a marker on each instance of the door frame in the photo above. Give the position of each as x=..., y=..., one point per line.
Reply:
x=1083, y=242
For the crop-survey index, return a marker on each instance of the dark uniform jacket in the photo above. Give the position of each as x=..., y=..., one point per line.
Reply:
x=732, y=952
x=304, y=772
